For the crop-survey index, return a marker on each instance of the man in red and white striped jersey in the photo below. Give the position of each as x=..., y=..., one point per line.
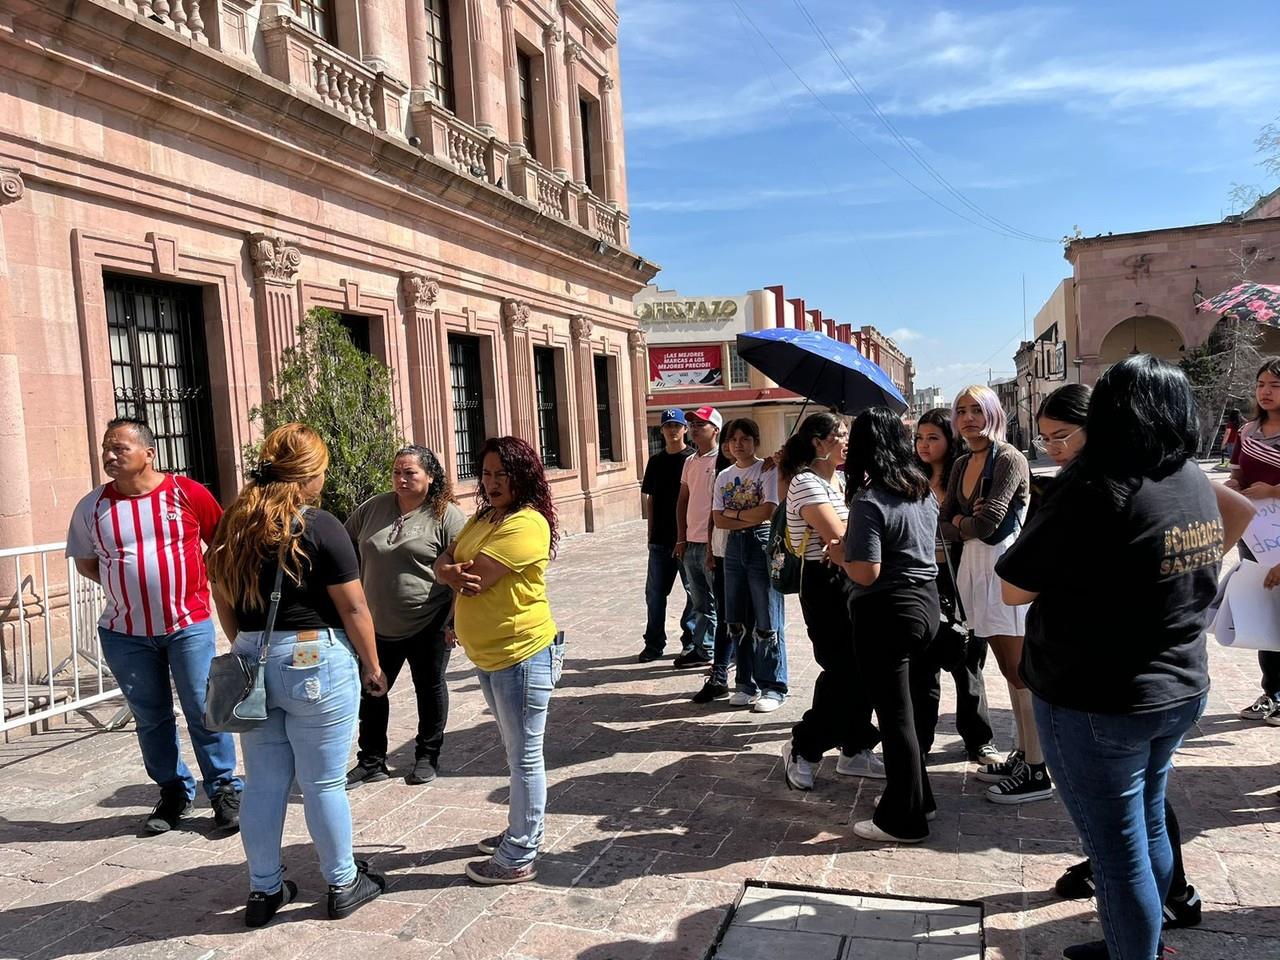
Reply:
x=140, y=537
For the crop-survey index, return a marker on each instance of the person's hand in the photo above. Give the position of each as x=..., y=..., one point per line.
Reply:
x=1232, y=484
x=771, y=462
x=709, y=561
x=978, y=506
x=373, y=680
x=1273, y=577
x=450, y=638
x=679, y=550
x=955, y=521
x=457, y=577
x=1259, y=491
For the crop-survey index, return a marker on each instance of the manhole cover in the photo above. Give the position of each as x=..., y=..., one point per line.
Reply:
x=781, y=922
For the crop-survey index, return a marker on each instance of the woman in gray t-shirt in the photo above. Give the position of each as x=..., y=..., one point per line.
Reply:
x=398, y=535
x=888, y=554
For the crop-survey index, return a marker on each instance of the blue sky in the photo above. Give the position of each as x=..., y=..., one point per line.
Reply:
x=1112, y=116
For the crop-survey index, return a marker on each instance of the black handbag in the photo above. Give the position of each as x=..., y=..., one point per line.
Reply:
x=235, y=697
x=950, y=645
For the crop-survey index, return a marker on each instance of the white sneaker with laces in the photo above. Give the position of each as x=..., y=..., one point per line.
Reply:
x=741, y=698
x=1261, y=709
x=796, y=770
x=864, y=764
x=867, y=830
x=767, y=703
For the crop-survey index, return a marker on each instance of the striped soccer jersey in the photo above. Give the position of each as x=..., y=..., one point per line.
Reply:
x=149, y=554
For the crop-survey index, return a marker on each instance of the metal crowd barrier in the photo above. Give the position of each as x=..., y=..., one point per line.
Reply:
x=51, y=661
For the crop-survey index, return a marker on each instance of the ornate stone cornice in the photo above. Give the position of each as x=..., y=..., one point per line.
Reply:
x=551, y=33
x=11, y=185
x=637, y=341
x=420, y=291
x=273, y=258
x=572, y=51
x=607, y=82
x=580, y=328
x=515, y=314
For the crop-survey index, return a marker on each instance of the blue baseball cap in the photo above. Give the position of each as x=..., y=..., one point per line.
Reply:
x=674, y=416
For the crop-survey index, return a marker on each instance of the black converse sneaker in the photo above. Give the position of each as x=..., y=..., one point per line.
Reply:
x=1028, y=782
x=995, y=772
x=1183, y=911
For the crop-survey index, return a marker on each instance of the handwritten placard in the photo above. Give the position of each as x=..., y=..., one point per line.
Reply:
x=1250, y=613
x=1263, y=535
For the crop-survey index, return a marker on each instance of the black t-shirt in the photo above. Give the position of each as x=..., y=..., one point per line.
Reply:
x=1118, y=626
x=662, y=483
x=331, y=559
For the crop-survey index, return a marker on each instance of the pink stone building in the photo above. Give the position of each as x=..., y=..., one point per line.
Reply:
x=181, y=180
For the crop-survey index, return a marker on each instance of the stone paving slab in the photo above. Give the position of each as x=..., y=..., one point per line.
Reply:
x=659, y=811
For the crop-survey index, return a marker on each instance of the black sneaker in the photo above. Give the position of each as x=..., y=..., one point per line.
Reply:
x=263, y=906
x=1030, y=781
x=1097, y=950
x=648, y=655
x=173, y=806
x=1076, y=883
x=226, y=809
x=363, y=773
x=995, y=772
x=694, y=658
x=711, y=690
x=344, y=901
x=1182, y=911
x=424, y=771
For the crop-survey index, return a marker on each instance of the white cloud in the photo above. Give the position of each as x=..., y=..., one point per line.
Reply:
x=906, y=335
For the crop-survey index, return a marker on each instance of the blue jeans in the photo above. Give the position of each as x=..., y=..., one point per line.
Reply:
x=749, y=593
x=663, y=568
x=311, y=721
x=142, y=666
x=1111, y=771
x=519, y=696
x=698, y=581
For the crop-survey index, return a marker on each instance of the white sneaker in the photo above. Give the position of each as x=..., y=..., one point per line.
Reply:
x=864, y=764
x=797, y=771
x=741, y=698
x=867, y=830
x=767, y=703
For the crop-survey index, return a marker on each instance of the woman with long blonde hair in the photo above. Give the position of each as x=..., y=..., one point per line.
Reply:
x=320, y=650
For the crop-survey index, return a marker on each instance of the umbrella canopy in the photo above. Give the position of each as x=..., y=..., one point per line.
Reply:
x=826, y=371
x=1257, y=301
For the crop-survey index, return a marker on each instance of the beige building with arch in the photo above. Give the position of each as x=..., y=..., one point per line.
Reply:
x=180, y=181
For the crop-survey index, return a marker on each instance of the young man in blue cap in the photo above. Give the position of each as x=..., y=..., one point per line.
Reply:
x=662, y=486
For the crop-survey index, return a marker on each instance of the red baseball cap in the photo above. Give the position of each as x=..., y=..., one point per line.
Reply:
x=711, y=415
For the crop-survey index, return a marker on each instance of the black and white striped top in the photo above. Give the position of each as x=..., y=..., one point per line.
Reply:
x=808, y=488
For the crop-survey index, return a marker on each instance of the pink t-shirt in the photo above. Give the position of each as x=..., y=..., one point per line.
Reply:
x=699, y=476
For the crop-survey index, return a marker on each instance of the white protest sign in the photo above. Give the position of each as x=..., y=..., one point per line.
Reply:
x=1250, y=613
x=1263, y=535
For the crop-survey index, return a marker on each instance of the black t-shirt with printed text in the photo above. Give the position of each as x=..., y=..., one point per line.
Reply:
x=330, y=560
x=662, y=483
x=1118, y=626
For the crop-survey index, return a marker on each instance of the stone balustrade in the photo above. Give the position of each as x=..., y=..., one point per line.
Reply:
x=184, y=16
x=539, y=186
x=457, y=143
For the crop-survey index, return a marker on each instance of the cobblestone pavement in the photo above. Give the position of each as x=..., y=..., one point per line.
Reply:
x=659, y=810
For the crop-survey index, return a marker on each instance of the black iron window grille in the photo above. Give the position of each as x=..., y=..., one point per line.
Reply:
x=468, y=403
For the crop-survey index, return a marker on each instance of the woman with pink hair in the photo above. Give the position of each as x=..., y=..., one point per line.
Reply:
x=985, y=507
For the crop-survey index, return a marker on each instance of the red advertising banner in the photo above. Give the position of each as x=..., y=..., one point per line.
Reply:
x=685, y=366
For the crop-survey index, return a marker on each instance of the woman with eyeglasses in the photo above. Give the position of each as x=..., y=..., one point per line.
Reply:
x=399, y=534
x=986, y=507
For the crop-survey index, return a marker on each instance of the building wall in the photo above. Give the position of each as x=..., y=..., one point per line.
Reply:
x=274, y=172
x=1138, y=289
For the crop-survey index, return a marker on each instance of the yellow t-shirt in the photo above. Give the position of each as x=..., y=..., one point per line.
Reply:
x=511, y=621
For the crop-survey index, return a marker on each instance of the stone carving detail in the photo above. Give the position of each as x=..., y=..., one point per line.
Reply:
x=11, y=185
x=273, y=259
x=515, y=313
x=551, y=33
x=580, y=328
x=420, y=291
x=606, y=82
x=572, y=51
x=637, y=341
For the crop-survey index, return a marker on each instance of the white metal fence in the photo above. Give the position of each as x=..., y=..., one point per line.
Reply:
x=50, y=658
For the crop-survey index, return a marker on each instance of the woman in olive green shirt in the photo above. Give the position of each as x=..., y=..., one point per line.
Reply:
x=399, y=535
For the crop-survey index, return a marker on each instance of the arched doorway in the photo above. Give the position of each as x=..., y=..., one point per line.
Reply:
x=1142, y=334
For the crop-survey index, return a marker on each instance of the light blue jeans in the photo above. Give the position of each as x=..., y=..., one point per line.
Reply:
x=750, y=597
x=313, y=700
x=519, y=696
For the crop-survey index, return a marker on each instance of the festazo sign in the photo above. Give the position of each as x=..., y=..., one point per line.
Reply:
x=674, y=311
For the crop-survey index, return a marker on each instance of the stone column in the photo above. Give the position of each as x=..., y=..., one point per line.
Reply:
x=426, y=385
x=639, y=391
x=480, y=84
x=275, y=299
x=382, y=25
x=515, y=321
x=416, y=28
x=555, y=100
x=612, y=166
x=572, y=51
x=588, y=442
x=511, y=74
x=15, y=479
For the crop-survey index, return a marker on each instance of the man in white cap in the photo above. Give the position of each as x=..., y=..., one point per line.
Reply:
x=693, y=532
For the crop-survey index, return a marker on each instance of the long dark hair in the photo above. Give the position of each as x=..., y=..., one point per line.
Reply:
x=529, y=487
x=1272, y=366
x=1068, y=404
x=940, y=417
x=881, y=454
x=440, y=492
x=1142, y=425
x=798, y=451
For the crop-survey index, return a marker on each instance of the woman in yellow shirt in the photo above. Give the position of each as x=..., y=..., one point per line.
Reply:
x=496, y=569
